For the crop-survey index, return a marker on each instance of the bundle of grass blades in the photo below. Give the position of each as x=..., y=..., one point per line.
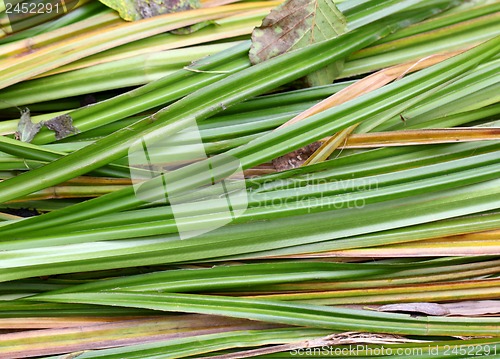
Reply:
x=325, y=184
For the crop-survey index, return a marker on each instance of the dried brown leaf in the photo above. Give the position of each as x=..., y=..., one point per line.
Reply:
x=26, y=129
x=62, y=125
x=418, y=308
x=474, y=307
x=294, y=25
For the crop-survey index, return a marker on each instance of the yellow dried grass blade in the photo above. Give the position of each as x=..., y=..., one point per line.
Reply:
x=428, y=292
x=330, y=145
x=420, y=137
x=371, y=83
x=115, y=333
x=244, y=23
x=467, y=244
x=69, y=50
x=57, y=322
x=473, y=244
x=36, y=42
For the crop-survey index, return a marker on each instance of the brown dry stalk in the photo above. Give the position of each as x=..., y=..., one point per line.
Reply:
x=89, y=180
x=59, y=192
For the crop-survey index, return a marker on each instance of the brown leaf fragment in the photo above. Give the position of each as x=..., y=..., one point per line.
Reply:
x=296, y=158
x=416, y=308
x=62, y=125
x=26, y=129
x=152, y=8
x=422, y=137
x=474, y=307
x=132, y=10
x=294, y=25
